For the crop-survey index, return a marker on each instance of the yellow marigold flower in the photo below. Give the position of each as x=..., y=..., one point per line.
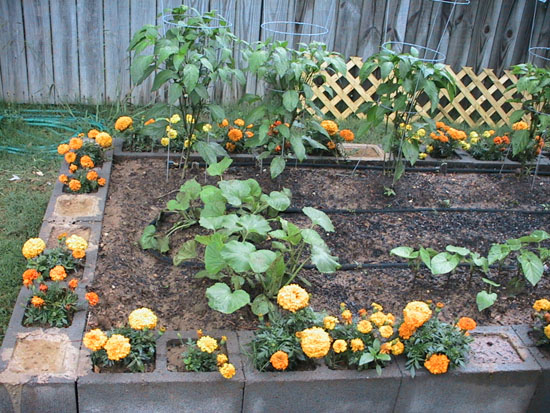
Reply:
x=92, y=176
x=402, y=125
x=165, y=141
x=542, y=305
x=421, y=132
x=357, y=345
x=377, y=307
x=347, y=317
x=397, y=348
x=547, y=331
x=364, y=326
x=92, y=133
x=347, y=135
x=339, y=346
x=206, y=127
x=385, y=348
x=474, y=135
x=292, y=297
x=101, y=181
x=386, y=331
x=76, y=242
x=86, y=162
x=390, y=319
x=224, y=124
x=33, y=247
x=207, y=344
x=315, y=342
x=186, y=143
x=378, y=318
x=63, y=149
x=329, y=322
x=123, y=123
x=422, y=155
x=189, y=118
x=104, y=140
x=75, y=144
x=142, y=318
x=408, y=127
x=70, y=157
x=235, y=135
x=416, y=313
x=521, y=125
x=239, y=122
x=175, y=118
x=117, y=347
x=486, y=134
x=223, y=339
x=172, y=133
x=58, y=273
x=79, y=254
x=227, y=370
x=279, y=360
x=94, y=339
x=330, y=126
x=221, y=359
x=37, y=301
x=466, y=323
x=437, y=363
x=429, y=149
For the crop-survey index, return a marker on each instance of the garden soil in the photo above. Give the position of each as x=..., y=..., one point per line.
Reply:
x=128, y=278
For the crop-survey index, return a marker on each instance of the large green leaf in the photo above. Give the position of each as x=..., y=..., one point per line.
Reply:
x=535, y=236
x=261, y=305
x=235, y=191
x=254, y=224
x=220, y=167
x=148, y=240
x=323, y=261
x=217, y=113
x=256, y=60
x=405, y=252
x=141, y=68
x=220, y=298
x=161, y=78
x=279, y=201
x=190, y=77
x=311, y=237
x=459, y=250
x=191, y=188
x=498, y=252
x=290, y=100
x=444, y=263
x=174, y=92
x=187, y=251
x=485, y=300
x=532, y=266
x=298, y=146
x=277, y=166
x=261, y=260
x=213, y=260
x=319, y=218
x=237, y=255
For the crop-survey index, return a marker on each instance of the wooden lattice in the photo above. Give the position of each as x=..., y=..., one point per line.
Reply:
x=480, y=98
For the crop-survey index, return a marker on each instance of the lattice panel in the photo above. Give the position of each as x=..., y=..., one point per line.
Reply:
x=480, y=98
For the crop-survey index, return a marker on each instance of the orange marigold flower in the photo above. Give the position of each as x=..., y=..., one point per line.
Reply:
x=73, y=283
x=199, y=333
x=150, y=121
x=339, y=346
x=439, y=304
x=29, y=276
x=406, y=331
x=73, y=168
x=75, y=185
x=440, y=125
x=92, y=133
x=466, y=323
x=63, y=149
x=92, y=176
x=330, y=126
x=104, y=140
x=230, y=146
x=250, y=126
x=221, y=359
x=416, y=313
x=92, y=298
x=347, y=317
x=385, y=348
x=331, y=145
x=79, y=254
x=58, y=273
x=235, y=135
x=101, y=181
x=227, y=370
x=86, y=162
x=94, y=339
x=521, y=125
x=278, y=148
x=37, y=301
x=75, y=144
x=249, y=134
x=123, y=123
x=224, y=124
x=63, y=179
x=542, y=305
x=347, y=135
x=506, y=140
x=362, y=312
x=70, y=157
x=437, y=363
x=497, y=140
x=239, y=122
x=43, y=288
x=279, y=360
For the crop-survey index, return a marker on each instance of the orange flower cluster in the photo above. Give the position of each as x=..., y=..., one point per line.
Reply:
x=279, y=360
x=466, y=323
x=540, y=144
x=58, y=273
x=501, y=140
x=37, y=301
x=235, y=135
x=29, y=276
x=521, y=125
x=445, y=131
x=437, y=363
x=415, y=314
x=92, y=298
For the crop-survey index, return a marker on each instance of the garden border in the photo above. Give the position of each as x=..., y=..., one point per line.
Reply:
x=75, y=388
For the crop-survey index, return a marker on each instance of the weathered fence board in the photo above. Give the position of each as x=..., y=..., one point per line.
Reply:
x=82, y=55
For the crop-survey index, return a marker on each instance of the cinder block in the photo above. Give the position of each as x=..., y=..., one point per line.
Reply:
x=540, y=403
x=161, y=390
x=320, y=390
x=477, y=387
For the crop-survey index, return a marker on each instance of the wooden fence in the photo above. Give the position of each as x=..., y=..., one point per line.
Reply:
x=60, y=51
x=480, y=98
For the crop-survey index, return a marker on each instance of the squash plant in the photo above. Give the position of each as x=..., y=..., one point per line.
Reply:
x=188, y=57
x=404, y=79
x=289, y=74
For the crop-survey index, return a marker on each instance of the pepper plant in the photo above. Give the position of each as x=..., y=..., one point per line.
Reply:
x=188, y=57
x=289, y=75
x=405, y=78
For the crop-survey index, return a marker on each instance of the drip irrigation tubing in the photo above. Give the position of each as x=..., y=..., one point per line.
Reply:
x=419, y=210
x=59, y=122
x=382, y=168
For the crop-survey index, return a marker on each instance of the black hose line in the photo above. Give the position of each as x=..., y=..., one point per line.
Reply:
x=418, y=210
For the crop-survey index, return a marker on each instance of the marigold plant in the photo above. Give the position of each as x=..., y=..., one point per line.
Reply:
x=541, y=322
